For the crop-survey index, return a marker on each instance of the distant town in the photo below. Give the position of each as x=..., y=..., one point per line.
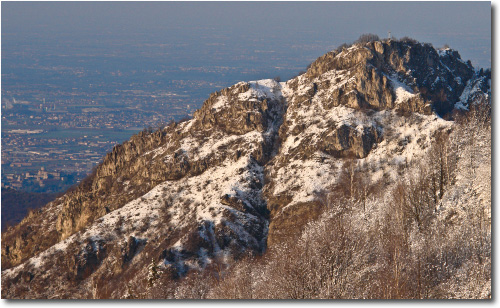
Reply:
x=48, y=146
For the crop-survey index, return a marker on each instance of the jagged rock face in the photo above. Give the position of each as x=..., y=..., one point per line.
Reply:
x=241, y=114
x=245, y=172
x=436, y=78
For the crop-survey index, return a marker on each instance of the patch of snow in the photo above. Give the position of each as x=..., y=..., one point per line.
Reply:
x=403, y=92
x=471, y=88
x=220, y=102
x=260, y=89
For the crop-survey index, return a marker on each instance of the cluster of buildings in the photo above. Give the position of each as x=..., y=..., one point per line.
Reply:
x=41, y=178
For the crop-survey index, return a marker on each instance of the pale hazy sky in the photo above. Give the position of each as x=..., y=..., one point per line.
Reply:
x=465, y=26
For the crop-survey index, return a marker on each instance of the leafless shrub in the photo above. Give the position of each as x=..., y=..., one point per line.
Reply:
x=366, y=38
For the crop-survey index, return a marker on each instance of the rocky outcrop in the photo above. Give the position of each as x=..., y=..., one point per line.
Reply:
x=87, y=260
x=346, y=141
x=437, y=77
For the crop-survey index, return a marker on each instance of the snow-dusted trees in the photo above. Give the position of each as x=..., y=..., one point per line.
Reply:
x=154, y=274
x=317, y=265
x=353, y=183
